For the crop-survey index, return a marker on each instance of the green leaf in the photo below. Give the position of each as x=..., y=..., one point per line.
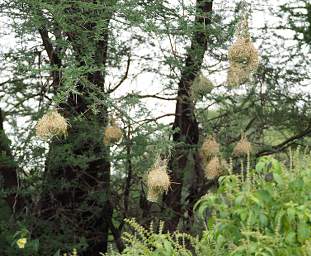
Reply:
x=304, y=231
x=264, y=196
x=57, y=253
x=291, y=212
x=278, y=178
x=260, y=166
x=263, y=219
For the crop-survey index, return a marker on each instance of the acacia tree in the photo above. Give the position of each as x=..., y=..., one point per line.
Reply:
x=8, y=170
x=67, y=69
x=70, y=56
x=185, y=127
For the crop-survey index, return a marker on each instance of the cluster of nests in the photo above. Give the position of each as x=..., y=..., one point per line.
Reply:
x=243, y=62
x=53, y=124
x=243, y=57
x=158, y=180
x=212, y=162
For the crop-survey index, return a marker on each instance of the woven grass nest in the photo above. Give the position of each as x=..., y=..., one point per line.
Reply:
x=243, y=57
x=158, y=180
x=50, y=125
x=214, y=168
x=112, y=133
x=244, y=54
x=243, y=147
x=201, y=86
x=210, y=147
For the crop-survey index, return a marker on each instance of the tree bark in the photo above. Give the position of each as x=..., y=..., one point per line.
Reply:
x=185, y=127
x=8, y=170
x=78, y=193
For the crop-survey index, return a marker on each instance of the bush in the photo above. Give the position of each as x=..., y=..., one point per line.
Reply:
x=268, y=212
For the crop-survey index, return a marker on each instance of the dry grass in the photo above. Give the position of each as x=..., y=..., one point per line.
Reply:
x=243, y=147
x=112, y=133
x=244, y=54
x=50, y=125
x=153, y=195
x=210, y=147
x=213, y=169
x=158, y=180
x=237, y=75
x=243, y=57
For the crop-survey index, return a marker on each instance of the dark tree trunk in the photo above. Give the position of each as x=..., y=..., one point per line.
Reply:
x=185, y=127
x=77, y=181
x=8, y=170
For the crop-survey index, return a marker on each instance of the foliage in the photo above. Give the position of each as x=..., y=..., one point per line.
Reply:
x=266, y=213
x=85, y=58
x=148, y=242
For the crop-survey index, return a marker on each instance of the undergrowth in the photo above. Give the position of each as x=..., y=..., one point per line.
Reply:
x=265, y=213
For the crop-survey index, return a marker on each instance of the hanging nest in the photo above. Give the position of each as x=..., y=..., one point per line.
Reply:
x=243, y=57
x=50, y=125
x=153, y=195
x=213, y=169
x=237, y=75
x=112, y=133
x=201, y=86
x=243, y=147
x=158, y=180
x=210, y=147
x=244, y=54
x=158, y=177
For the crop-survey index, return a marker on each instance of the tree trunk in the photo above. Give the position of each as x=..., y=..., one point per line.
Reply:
x=77, y=182
x=8, y=170
x=185, y=127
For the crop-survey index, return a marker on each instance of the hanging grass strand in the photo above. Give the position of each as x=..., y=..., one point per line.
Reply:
x=50, y=125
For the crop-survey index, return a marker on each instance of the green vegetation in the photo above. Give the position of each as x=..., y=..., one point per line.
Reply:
x=267, y=212
x=162, y=116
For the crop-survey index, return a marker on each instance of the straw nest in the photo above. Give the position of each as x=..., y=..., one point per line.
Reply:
x=244, y=53
x=51, y=124
x=213, y=169
x=243, y=147
x=237, y=75
x=243, y=57
x=210, y=147
x=153, y=195
x=112, y=133
x=158, y=180
x=201, y=86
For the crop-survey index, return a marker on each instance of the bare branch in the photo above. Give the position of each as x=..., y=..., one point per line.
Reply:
x=285, y=144
x=123, y=78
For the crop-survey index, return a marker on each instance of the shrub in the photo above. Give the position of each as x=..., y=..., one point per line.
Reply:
x=269, y=213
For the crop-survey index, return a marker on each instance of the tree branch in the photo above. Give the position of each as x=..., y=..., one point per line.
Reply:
x=123, y=78
x=285, y=144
